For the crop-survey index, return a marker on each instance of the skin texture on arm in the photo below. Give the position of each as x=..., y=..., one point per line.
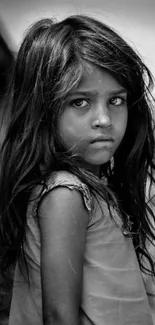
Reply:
x=63, y=222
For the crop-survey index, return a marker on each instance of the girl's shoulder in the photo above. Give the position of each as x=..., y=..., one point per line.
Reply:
x=59, y=179
x=69, y=180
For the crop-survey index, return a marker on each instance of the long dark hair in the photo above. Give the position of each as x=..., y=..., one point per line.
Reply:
x=49, y=64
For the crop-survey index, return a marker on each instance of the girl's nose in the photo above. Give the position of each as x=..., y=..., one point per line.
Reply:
x=102, y=117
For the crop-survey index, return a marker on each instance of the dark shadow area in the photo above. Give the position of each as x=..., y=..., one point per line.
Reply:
x=6, y=62
x=5, y=297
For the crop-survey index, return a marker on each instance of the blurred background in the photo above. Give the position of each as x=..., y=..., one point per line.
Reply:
x=134, y=20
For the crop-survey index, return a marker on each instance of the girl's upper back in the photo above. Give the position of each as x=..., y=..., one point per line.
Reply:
x=113, y=291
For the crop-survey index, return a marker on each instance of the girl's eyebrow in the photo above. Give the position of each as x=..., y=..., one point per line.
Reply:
x=119, y=91
x=93, y=93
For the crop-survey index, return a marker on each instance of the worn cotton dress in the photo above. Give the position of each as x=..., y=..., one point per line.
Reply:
x=113, y=289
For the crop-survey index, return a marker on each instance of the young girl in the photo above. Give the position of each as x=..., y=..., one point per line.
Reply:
x=78, y=150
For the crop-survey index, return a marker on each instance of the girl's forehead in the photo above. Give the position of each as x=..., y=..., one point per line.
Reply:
x=97, y=79
x=89, y=68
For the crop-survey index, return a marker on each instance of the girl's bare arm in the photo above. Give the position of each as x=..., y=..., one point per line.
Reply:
x=63, y=222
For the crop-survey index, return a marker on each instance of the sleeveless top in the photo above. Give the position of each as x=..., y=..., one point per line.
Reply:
x=113, y=289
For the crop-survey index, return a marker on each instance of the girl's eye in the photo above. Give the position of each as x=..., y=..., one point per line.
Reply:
x=117, y=101
x=79, y=103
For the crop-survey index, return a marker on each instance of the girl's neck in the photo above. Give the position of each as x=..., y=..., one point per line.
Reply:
x=90, y=168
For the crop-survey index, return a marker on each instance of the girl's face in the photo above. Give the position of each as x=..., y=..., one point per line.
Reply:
x=94, y=119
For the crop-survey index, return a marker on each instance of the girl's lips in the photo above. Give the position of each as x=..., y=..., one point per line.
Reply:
x=102, y=138
x=102, y=142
